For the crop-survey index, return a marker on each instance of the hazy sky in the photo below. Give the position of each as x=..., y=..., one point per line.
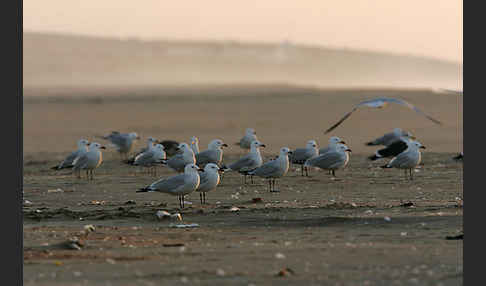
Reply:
x=420, y=27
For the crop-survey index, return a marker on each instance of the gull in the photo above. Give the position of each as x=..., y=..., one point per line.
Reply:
x=89, y=160
x=408, y=159
x=195, y=144
x=178, y=185
x=380, y=103
x=393, y=149
x=300, y=155
x=151, y=158
x=331, y=160
x=248, y=162
x=209, y=180
x=123, y=142
x=68, y=161
x=214, y=153
x=274, y=169
x=150, y=145
x=184, y=156
x=390, y=138
x=250, y=136
x=459, y=157
x=171, y=147
x=333, y=141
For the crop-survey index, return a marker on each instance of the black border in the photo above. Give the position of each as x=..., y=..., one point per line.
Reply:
x=11, y=209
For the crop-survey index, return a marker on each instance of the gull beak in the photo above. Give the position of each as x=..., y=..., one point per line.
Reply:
x=102, y=147
x=225, y=145
x=221, y=170
x=290, y=152
x=422, y=147
x=263, y=145
x=200, y=170
x=349, y=150
x=342, y=142
x=413, y=137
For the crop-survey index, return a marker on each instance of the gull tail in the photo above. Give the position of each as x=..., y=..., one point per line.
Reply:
x=370, y=144
x=385, y=166
x=55, y=168
x=374, y=157
x=144, y=190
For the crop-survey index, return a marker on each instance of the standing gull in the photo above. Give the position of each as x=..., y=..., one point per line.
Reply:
x=195, y=144
x=209, y=180
x=459, y=157
x=390, y=138
x=68, y=161
x=248, y=162
x=274, y=169
x=300, y=155
x=178, y=185
x=184, y=156
x=89, y=160
x=214, y=153
x=380, y=103
x=250, y=136
x=123, y=142
x=392, y=150
x=333, y=141
x=331, y=160
x=408, y=159
x=150, y=145
x=151, y=158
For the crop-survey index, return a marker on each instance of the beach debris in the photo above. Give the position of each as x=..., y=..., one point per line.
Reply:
x=95, y=202
x=387, y=218
x=72, y=243
x=173, y=244
x=191, y=225
x=166, y=215
x=403, y=233
x=285, y=272
x=89, y=228
x=407, y=204
x=27, y=203
x=130, y=202
x=110, y=260
x=234, y=209
x=279, y=255
x=58, y=190
x=455, y=237
x=220, y=272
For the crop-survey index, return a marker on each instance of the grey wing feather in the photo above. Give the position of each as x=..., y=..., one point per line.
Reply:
x=266, y=169
x=168, y=184
x=205, y=157
x=69, y=160
x=326, y=160
x=144, y=158
x=299, y=156
x=411, y=106
x=241, y=163
x=80, y=162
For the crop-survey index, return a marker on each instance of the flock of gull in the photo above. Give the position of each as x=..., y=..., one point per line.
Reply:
x=201, y=171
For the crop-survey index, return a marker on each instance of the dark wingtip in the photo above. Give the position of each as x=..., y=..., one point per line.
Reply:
x=384, y=166
x=143, y=190
x=373, y=158
x=370, y=144
x=54, y=168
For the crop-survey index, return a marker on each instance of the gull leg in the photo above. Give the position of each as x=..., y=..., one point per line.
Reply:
x=270, y=185
x=251, y=177
x=306, y=171
x=302, y=170
x=333, y=173
x=201, y=198
x=204, y=197
x=411, y=175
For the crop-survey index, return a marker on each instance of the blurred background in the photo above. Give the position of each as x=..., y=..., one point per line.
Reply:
x=360, y=43
x=213, y=68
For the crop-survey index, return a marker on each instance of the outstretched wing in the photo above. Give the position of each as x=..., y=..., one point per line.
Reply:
x=413, y=107
x=341, y=120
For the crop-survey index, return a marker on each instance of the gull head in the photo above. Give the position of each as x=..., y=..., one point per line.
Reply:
x=83, y=143
x=256, y=144
x=335, y=140
x=192, y=168
x=311, y=144
x=418, y=145
x=343, y=148
x=133, y=135
x=285, y=151
x=217, y=144
x=211, y=168
x=194, y=140
x=250, y=131
x=159, y=147
x=96, y=146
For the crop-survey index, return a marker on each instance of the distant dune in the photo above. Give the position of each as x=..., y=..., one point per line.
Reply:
x=60, y=61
